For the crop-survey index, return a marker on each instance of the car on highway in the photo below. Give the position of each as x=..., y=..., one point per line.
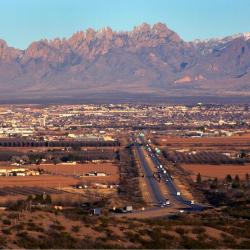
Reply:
x=165, y=203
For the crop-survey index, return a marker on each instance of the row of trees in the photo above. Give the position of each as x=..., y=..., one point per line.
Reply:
x=27, y=143
x=57, y=156
x=228, y=181
x=202, y=158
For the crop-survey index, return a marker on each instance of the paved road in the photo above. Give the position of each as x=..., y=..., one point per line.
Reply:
x=166, y=178
x=155, y=191
x=152, y=184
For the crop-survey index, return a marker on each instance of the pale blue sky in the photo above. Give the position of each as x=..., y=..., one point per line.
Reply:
x=23, y=21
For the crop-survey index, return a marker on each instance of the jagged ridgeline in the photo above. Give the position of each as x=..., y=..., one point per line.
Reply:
x=150, y=60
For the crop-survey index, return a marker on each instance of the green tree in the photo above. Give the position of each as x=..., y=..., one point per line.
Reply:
x=48, y=199
x=243, y=154
x=247, y=179
x=236, y=182
x=198, y=178
x=214, y=184
x=229, y=178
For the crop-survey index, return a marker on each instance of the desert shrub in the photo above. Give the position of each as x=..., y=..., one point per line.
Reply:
x=245, y=244
x=33, y=227
x=228, y=240
x=102, y=239
x=75, y=229
x=6, y=222
x=22, y=234
x=18, y=227
x=198, y=230
x=189, y=243
x=180, y=230
x=60, y=240
x=13, y=215
x=57, y=227
x=6, y=231
x=3, y=241
x=77, y=214
x=133, y=237
x=238, y=212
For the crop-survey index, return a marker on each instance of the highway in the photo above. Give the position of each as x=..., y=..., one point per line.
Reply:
x=165, y=177
x=152, y=184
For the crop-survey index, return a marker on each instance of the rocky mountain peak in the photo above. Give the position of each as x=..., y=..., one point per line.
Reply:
x=149, y=57
x=8, y=53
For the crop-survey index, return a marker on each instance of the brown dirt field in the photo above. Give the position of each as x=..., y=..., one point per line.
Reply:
x=219, y=171
x=11, y=198
x=60, y=178
x=207, y=141
x=80, y=169
x=33, y=181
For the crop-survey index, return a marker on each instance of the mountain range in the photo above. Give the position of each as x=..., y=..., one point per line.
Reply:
x=151, y=61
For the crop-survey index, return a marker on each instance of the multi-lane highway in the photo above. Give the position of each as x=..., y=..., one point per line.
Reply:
x=152, y=184
x=176, y=195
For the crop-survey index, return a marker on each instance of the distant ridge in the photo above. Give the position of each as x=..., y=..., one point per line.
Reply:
x=149, y=60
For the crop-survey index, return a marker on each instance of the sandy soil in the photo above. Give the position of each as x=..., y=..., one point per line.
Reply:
x=219, y=171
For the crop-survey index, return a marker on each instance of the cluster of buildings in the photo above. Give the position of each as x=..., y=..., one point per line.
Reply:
x=18, y=172
x=104, y=122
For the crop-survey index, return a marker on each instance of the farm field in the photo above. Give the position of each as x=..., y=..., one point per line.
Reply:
x=229, y=141
x=219, y=171
x=80, y=169
x=58, y=178
x=37, y=181
x=62, y=174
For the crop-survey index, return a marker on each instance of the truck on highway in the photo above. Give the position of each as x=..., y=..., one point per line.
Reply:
x=127, y=209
